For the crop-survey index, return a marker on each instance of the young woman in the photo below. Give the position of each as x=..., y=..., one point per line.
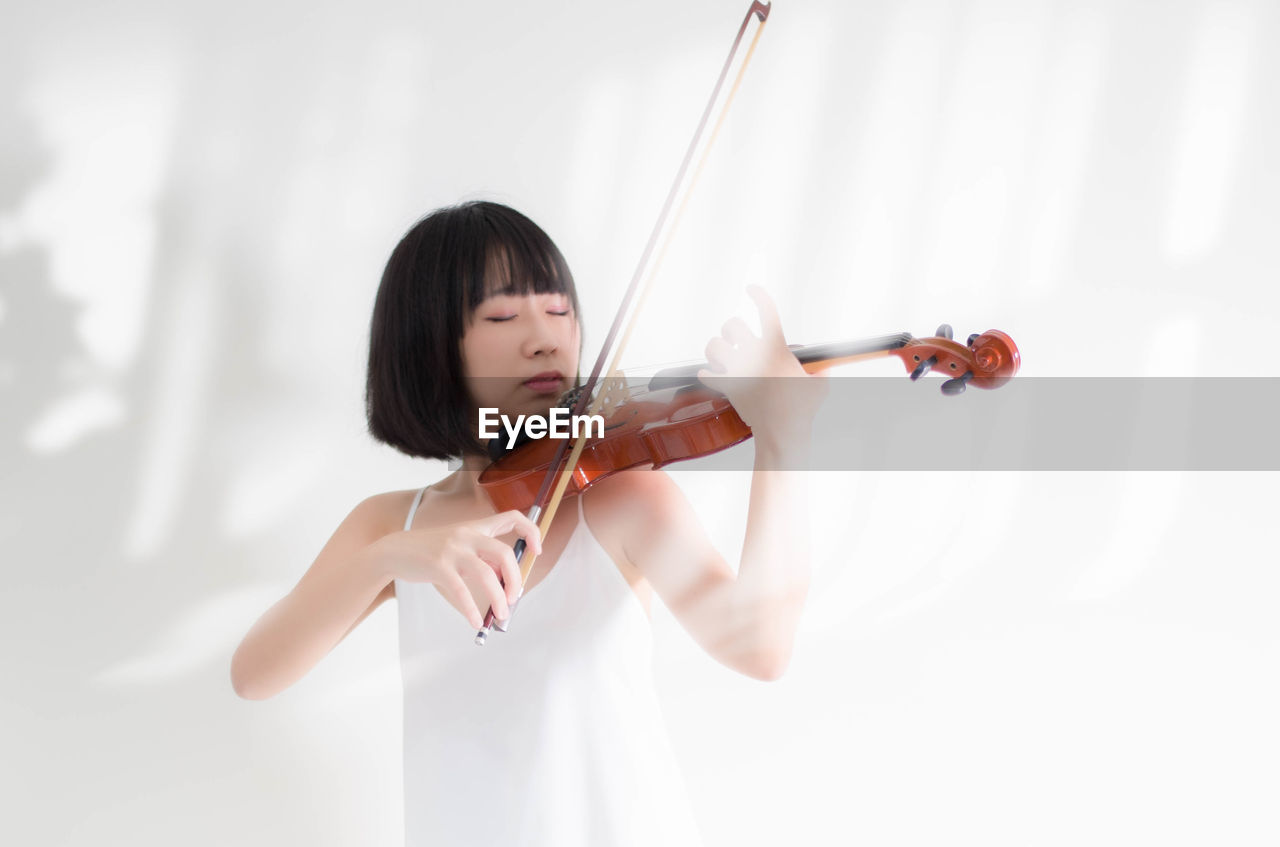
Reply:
x=550, y=734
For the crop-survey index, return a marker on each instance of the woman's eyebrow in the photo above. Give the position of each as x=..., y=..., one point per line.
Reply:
x=505, y=295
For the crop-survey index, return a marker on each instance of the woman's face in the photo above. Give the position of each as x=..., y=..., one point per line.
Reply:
x=513, y=338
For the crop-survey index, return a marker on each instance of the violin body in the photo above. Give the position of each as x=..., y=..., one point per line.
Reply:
x=674, y=417
x=652, y=430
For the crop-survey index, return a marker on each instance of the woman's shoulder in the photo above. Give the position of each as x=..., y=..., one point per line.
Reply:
x=652, y=488
x=386, y=512
x=632, y=501
x=382, y=514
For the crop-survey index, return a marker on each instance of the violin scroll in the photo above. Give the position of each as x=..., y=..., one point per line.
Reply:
x=986, y=360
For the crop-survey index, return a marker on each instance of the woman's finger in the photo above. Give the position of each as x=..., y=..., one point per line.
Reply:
x=510, y=520
x=500, y=557
x=770, y=323
x=711, y=380
x=455, y=590
x=483, y=583
x=718, y=354
x=736, y=331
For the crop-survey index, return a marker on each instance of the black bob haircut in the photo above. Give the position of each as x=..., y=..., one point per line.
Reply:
x=445, y=266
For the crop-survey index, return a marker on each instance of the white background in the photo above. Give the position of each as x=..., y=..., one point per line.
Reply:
x=196, y=201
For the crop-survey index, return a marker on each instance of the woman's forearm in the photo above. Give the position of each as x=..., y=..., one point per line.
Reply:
x=300, y=630
x=773, y=575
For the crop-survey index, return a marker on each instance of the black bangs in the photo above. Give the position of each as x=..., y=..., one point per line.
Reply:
x=510, y=254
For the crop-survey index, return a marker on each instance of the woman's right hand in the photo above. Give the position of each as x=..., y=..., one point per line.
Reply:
x=463, y=561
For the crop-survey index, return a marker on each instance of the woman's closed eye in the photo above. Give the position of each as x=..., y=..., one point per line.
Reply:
x=560, y=313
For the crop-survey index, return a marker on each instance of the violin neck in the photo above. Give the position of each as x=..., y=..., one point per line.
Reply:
x=814, y=357
x=819, y=357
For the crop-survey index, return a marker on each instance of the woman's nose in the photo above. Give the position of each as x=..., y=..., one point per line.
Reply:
x=542, y=339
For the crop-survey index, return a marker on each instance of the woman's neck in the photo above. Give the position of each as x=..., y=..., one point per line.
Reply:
x=465, y=482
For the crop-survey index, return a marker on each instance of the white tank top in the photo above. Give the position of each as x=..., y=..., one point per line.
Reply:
x=551, y=733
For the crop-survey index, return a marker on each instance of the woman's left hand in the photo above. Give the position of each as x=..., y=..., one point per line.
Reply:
x=763, y=380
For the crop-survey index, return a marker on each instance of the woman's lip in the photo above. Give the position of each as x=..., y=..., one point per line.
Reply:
x=545, y=383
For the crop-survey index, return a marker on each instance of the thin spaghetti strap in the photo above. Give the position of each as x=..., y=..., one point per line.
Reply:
x=413, y=510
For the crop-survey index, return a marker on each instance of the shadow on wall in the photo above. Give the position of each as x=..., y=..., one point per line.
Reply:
x=116, y=690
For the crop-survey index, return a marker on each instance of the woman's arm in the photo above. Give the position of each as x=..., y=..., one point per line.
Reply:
x=746, y=621
x=356, y=570
x=343, y=584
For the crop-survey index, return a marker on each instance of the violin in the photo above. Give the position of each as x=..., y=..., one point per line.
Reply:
x=674, y=417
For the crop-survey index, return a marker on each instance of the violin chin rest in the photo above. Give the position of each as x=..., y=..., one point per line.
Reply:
x=497, y=448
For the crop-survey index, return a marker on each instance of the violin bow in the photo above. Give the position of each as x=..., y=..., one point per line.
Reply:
x=561, y=468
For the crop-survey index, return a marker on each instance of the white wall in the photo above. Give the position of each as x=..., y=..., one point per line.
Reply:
x=195, y=204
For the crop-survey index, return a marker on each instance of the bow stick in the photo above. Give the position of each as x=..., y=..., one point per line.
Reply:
x=560, y=470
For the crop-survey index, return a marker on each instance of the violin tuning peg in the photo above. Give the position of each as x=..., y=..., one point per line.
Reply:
x=944, y=331
x=956, y=386
x=973, y=338
x=923, y=368
x=569, y=399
